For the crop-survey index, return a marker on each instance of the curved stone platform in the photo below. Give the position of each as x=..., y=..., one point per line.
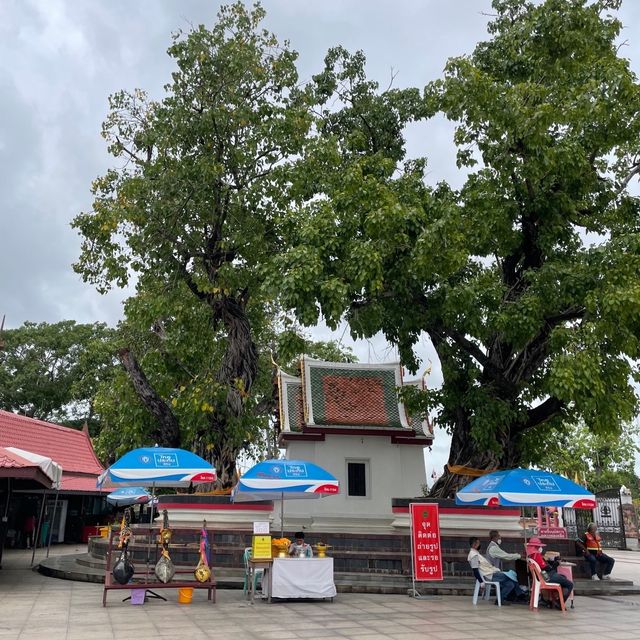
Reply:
x=86, y=568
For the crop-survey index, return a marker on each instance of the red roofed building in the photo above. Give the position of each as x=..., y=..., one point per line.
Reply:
x=70, y=448
x=80, y=502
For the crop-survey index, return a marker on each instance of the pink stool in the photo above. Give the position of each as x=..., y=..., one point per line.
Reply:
x=565, y=569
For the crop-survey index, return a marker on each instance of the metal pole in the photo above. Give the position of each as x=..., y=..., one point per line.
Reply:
x=153, y=490
x=282, y=514
x=52, y=521
x=4, y=524
x=414, y=593
x=6, y=504
x=35, y=542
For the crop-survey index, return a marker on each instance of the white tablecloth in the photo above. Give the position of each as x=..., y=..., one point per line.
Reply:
x=303, y=578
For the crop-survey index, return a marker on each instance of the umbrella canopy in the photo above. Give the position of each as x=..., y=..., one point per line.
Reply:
x=285, y=480
x=159, y=467
x=18, y=463
x=525, y=488
x=128, y=495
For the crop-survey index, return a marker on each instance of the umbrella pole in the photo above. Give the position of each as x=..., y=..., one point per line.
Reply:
x=6, y=504
x=148, y=593
x=51, y=522
x=39, y=527
x=524, y=529
x=282, y=514
x=153, y=490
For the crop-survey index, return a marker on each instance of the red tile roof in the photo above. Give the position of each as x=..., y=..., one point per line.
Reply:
x=70, y=448
x=80, y=482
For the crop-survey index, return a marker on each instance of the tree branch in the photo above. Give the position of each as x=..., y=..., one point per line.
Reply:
x=167, y=432
x=634, y=171
x=528, y=360
x=470, y=347
x=544, y=412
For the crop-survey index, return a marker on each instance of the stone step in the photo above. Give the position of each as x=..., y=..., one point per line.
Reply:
x=79, y=567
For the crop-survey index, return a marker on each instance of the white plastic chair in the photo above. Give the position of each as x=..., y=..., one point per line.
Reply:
x=487, y=590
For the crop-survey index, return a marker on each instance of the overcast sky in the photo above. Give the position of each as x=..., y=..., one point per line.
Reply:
x=60, y=59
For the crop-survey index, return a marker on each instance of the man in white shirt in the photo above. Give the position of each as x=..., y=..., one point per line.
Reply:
x=495, y=553
x=483, y=569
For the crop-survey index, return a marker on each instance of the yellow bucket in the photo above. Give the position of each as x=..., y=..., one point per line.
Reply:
x=185, y=595
x=104, y=532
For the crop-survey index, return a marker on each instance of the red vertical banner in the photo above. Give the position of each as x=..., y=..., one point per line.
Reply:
x=425, y=541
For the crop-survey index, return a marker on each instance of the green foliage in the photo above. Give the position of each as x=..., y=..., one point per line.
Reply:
x=203, y=170
x=180, y=351
x=535, y=322
x=602, y=461
x=191, y=214
x=291, y=344
x=52, y=371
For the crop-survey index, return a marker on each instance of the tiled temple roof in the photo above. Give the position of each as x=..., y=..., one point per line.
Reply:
x=348, y=396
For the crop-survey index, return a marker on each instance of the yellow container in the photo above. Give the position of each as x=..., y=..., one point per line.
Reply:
x=185, y=595
x=104, y=532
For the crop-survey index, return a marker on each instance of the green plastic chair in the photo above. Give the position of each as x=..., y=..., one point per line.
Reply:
x=257, y=576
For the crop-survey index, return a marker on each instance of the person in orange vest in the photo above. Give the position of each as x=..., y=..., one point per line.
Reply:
x=595, y=555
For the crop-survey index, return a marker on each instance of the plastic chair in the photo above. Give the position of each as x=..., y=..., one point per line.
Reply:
x=487, y=590
x=540, y=585
x=246, y=556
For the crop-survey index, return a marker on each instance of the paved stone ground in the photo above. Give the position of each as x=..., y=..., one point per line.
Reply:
x=35, y=607
x=627, y=565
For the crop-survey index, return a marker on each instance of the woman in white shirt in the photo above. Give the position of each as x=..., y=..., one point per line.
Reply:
x=300, y=547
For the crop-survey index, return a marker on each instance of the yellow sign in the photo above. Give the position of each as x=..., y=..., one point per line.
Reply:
x=261, y=547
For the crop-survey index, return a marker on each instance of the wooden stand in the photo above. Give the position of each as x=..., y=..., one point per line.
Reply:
x=143, y=579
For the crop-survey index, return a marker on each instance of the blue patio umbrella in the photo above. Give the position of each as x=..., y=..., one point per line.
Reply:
x=157, y=467
x=285, y=480
x=127, y=496
x=525, y=488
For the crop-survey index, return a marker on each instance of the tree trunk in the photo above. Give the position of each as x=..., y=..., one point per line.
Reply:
x=224, y=457
x=239, y=365
x=237, y=371
x=465, y=452
x=167, y=433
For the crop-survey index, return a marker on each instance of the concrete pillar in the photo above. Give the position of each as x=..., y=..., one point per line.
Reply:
x=630, y=519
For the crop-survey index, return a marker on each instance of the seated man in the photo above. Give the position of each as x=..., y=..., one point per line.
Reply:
x=483, y=569
x=548, y=566
x=594, y=553
x=495, y=553
x=300, y=547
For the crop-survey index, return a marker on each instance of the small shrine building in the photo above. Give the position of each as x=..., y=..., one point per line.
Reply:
x=350, y=420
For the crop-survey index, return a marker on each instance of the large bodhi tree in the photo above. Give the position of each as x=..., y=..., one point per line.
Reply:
x=526, y=279
x=179, y=351
x=193, y=203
